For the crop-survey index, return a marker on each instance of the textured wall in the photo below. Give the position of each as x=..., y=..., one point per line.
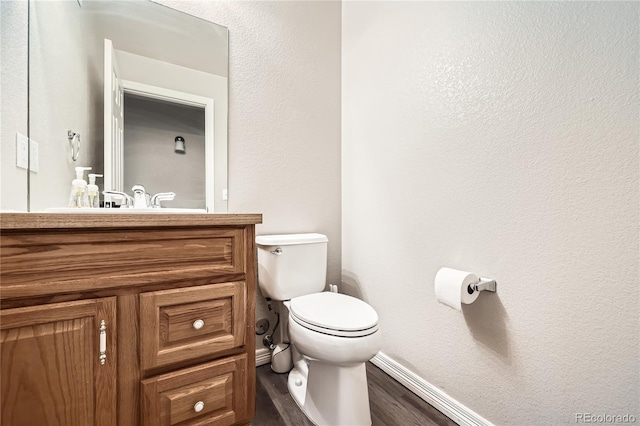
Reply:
x=284, y=114
x=501, y=138
x=13, y=101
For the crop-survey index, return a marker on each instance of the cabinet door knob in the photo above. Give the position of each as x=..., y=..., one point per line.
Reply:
x=198, y=407
x=198, y=324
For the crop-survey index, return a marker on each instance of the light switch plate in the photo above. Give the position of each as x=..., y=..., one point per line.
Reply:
x=225, y=195
x=22, y=151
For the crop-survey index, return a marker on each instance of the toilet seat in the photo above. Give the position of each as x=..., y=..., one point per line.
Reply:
x=334, y=314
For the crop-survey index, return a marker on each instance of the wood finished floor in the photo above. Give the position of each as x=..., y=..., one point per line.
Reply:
x=391, y=403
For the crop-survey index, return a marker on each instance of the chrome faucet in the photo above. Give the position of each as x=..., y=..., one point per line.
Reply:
x=140, y=199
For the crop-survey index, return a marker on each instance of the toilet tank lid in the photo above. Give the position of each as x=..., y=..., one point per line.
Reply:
x=290, y=239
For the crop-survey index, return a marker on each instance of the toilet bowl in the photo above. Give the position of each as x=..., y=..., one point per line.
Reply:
x=332, y=335
x=328, y=381
x=334, y=327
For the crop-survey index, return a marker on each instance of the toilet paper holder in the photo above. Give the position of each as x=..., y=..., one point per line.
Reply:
x=485, y=284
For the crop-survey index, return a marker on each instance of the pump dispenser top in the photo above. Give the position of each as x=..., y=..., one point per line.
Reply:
x=78, y=196
x=93, y=191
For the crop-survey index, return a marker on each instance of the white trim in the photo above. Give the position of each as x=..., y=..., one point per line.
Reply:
x=450, y=407
x=162, y=93
x=263, y=356
x=185, y=98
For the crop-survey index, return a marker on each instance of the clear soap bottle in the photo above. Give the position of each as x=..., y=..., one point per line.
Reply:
x=93, y=191
x=79, y=196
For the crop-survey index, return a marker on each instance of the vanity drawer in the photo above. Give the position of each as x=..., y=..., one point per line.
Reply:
x=209, y=394
x=94, y=257
x=186, y=323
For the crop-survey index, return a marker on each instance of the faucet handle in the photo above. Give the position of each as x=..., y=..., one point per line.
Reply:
x=162, y=196
x=127, y=200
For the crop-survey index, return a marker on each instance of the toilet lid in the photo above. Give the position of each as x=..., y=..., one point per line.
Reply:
x=334, y=312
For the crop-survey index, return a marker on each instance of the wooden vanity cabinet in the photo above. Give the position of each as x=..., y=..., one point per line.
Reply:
x=127, y=319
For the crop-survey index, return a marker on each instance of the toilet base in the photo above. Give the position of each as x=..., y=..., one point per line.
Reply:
x=330, y=395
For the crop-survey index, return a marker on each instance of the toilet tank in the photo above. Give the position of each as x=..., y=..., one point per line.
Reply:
x=291, y=265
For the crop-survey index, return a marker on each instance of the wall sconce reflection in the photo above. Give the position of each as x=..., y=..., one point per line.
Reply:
x=180, y=148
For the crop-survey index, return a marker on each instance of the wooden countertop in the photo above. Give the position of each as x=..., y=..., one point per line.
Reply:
x=122, y=220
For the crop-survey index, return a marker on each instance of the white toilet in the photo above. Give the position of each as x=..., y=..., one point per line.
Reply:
x=332, y=334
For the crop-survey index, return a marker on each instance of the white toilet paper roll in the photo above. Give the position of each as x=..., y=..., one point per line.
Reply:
x=451, y=287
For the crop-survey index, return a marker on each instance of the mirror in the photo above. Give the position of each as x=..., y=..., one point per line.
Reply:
x=140, y=88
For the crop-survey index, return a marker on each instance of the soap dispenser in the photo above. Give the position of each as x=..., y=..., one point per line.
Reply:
x=92, y=191
x=78, y=197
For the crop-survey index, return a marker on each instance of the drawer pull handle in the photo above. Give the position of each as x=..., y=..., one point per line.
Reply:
x=198, y=324
x=198, y=407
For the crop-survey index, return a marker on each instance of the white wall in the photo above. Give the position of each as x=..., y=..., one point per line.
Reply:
x=284, y=115
x=500, y=138
x=13, y=101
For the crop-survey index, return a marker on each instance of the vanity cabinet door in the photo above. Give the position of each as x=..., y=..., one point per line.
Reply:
x=52, y=371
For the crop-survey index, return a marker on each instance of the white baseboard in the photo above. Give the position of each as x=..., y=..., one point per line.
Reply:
x=263, y=356
x=450, y=407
